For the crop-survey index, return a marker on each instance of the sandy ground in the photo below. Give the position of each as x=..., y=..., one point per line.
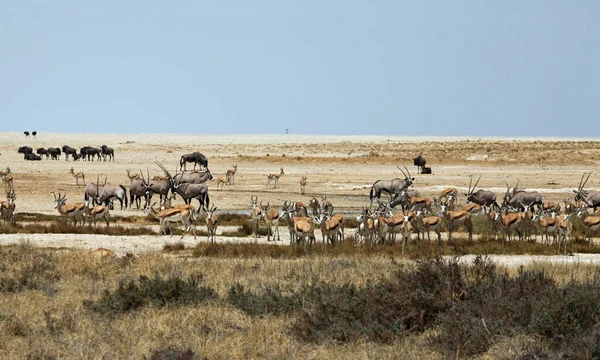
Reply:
x=341, y=167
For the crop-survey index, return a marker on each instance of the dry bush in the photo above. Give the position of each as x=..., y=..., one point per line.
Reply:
x=25, y=267
x=58, y=228
x=270, y=301
x=177, y=246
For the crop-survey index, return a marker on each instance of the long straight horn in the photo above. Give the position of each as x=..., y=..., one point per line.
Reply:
x=403, y=173
x=408, y=172
x=470, y=183
x=52, y=192
x=586, y=179
x=517, y=186
x=477, y=183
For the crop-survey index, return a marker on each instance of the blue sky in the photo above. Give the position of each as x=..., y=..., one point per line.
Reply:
x=477, y=68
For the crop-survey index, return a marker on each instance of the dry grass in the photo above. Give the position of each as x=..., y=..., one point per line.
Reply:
x=250, y=316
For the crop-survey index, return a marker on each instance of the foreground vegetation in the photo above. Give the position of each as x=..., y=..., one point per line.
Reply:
x=212, y=303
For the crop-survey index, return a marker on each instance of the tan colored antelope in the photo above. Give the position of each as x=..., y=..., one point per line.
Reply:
x=212, y=222
x=550, y=207
x=159, y=178
x=256, y=214
x=7, y=178
x=541, y=160
x=366, y=226
x=547, y=225
x=167, y=204
x=77, y=175
x=230, y=175
x=455, y=218
x=428, y=223
x=493, y=223
x=289, y=212
x=416, y=203
x=303, y=228
x=472, y=208
x=303, y=184
x=591, y=223
x=7, y=207
x=407, y=230
x=331, y=226
x=220, y=182
x=448, y=194
x=565, y=229
x=509, y=222
x=130, y=176
x=66, y=211
x=103, y=253
x=271, y=217
x=275, y=178
x=98, y=212
x=570, y=208
x=174, y=215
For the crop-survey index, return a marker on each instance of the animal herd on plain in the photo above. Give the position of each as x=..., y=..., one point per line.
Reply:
x=521, y=214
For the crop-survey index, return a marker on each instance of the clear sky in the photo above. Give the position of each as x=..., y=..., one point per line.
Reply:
x=478, y=68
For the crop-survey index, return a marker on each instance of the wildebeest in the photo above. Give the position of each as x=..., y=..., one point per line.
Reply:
x=89, y=152
x=42, y=151
x=32, y=157
x=394, y=186
x=54, y=153
x=481, y=197
x=419, y=162
x=69, y=151
x=108, y=152
x=590, y=197
x=426, y=170
x=196, y=158
x=25, y=150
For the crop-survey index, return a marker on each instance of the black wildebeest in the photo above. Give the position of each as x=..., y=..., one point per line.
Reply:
x=425, y=170
x=32, y=157
x=42, y=151
x=481, y=197
x=69, y=151
x=89, y=152
x=107, y=152
x=195, y=157
x=54, y=153
x=394, y=186
x=419, y=162
x=25, y=150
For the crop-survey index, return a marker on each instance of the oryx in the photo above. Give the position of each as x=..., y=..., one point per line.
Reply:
x=394, y=186
x=104, y=193
x=590, y=197
x=481, y=197
x=138, y=188
x=196, y=158
x=194, y=177
x=188, y=191
x=521, y=198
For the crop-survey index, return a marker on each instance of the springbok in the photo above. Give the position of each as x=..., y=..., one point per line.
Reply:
x=565, y=229
x=303, y=184
x=211, y=222
x=508, y=223
x=174, y=215
x=275, y=177
x=411, y=203
x=77, y=175
x=98, y=212
x=547, y=225
x=591, y=223
x=493, y=221
x=220, y=182
x=366, y=226
x=541, y=160
x=67, y=210
x=103, y=253
x=472, y=208
x=7, y=178
x=457, y=217
x=256, y=214
x=230, y=175
x=271, y=217
x=428, y=223
x=551, y=207
x=331, y=226
x=289, y=213
x=7, y=207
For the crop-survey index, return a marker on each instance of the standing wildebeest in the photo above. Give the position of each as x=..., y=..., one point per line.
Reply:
x=520, y=198
x=195, y=177
x=25, y=150
x=188, y=191
x=88, y=153
x=590, y=197
x=69, y=151
x=419, y=162
x=42, y=151
x=108, y=152
x=394, y=186
x=481, y=197
x=196, y=158
x=54, y=153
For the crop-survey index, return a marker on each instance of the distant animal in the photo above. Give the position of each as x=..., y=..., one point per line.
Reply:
x=26, y=133
x=69, y=151
x=419, y=162
x=108, y=153
x=32, y=157
x=88, y=153
x=271, y=177
x=231, y=175
x=25, y=150
x=426, y=170
x=42, y=151
x=195, y=157
x=54, y=153
x=391, y=187
x=34, y=133
x=303, y=184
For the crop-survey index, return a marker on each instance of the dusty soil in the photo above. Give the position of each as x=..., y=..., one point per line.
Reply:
x=341, y=167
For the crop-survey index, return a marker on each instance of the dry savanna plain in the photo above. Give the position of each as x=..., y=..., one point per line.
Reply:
x=243, y=297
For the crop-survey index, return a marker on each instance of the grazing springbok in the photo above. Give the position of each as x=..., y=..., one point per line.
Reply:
x=274, y=177
x=220, y=182
x=98, y=212
x=211, y=222
x=77, y=175
x=391, y=187
x=591, y=223
x=271, y=217
x=230, y=175
x=196, y=158
x=590, y=197
x=481, y=197
x=256, y=214
x=68, y=210
x=455, y=218
x=7, y=207
x=174, y=215
x=7, y=178
x=303, y=184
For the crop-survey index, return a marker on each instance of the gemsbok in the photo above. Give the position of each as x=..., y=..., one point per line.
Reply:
x=481, y=197
x=274, y=178
x=391, y=187
x=77, y=175
x=590, y=197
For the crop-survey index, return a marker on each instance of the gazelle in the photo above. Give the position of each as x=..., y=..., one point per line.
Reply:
x=330, y=227
x=551, y=207
x=547, y=225
x=67, y=210
x=473, y=208
x=7, y=207
x=77, y=175
x=271, y=217
x=211, y=222
x=303, y=228
x=221, y=182
x=174, y=215
x=541, y=160
x=455, y=218
x=7, y=178
x=303, y=184
x=428, y=223
x=565, y=229
x=166, y=204
x=289, y=212
x=275, y=177
x=256, y=214
x=493, y=222
x=98, y=212
x=591, y=222
x=230, y=175
x=366, y=227
x=508, y=223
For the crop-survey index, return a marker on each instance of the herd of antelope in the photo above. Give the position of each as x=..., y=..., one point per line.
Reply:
x=521, y=214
